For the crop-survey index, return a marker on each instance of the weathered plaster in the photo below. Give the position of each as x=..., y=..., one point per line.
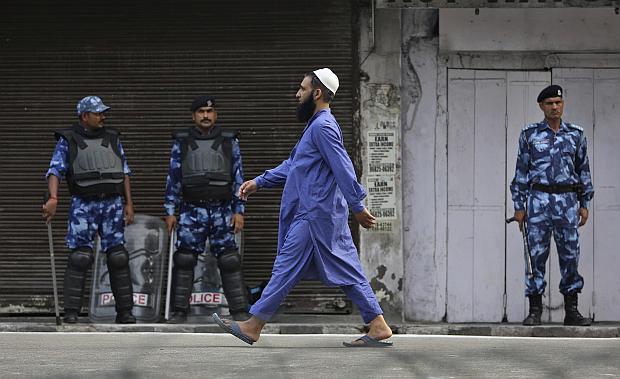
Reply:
x=425, y=259
x=380, y=91
x=502, y=29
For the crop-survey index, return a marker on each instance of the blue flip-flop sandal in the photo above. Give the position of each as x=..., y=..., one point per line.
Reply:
x=367, y=341
x=233, y=329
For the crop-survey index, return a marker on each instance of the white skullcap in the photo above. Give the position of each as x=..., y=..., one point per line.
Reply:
x=328, y=78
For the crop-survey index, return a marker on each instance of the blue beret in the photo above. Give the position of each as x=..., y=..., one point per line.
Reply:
x=202, y=101
x=551, y=91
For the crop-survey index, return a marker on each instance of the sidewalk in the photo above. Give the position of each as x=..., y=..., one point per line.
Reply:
x=324, y=324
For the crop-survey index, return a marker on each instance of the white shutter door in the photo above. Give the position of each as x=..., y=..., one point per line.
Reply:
x=593, y=102
x=606, y=220
x=487, y=110
x=476, y=195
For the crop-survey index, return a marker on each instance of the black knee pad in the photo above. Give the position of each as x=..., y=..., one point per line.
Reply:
x=230, y=261
x=81, y=258
x=117, y=257
x=185, y=259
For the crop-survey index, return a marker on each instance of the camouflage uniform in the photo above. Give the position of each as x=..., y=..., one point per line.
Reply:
x=211, y=220
x=549, y=158
x=202, y=219
x=94, y=164
x=90, y=216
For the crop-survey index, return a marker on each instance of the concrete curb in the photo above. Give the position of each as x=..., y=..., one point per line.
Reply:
x=503, y=330
x=514, y=330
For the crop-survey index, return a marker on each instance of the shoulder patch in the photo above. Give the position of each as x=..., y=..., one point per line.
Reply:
x=576, y=127
x=530, y=126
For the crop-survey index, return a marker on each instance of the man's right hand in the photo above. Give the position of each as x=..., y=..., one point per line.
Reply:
x=520, y=218
x=171, y=223
x=246, y=189
x=49, y=209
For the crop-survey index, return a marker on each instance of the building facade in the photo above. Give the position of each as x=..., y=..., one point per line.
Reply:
x=462, y=82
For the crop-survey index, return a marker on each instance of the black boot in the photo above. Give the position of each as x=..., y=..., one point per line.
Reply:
x=117, y=259
x=71, y=316
x=78, y=264
x=182, y=284
x=572, y=315
x=177, y=317
x=240, y=316
x=125, y=317
x=533, y=318
x=235, y=290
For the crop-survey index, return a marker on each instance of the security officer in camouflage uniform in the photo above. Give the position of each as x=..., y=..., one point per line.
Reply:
x=553, y=178
x=92, y=159
x=203, y=181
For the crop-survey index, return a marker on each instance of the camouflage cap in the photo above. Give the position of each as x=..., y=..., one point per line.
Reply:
x=91, y=104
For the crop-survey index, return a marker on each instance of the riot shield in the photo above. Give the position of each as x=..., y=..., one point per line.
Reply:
x=145, y=240
x=207, y=294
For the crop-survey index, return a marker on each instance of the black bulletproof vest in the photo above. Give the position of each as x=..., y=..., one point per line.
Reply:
x=206, y=164
x=96, y=168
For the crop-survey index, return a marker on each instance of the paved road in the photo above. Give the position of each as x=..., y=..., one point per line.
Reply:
x=190, y=355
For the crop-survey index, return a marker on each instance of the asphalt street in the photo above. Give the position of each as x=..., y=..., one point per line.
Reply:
x=195, y=355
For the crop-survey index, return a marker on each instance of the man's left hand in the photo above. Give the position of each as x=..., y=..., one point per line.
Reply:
x=365, y=219
x=237, y=222
x=583, y=216
x=129, y=213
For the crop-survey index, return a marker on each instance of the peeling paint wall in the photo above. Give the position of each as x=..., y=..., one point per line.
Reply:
x=423, y=152
x=380, y=112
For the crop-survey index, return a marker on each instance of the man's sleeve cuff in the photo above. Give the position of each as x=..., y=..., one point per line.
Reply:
x=519, y=206
x=260, y=182
x=53, y=171
x=170, y=209
x=585, y=204
x=358, y=208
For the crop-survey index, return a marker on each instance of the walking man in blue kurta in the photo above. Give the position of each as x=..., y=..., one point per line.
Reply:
x=553, y=178
x=314, y=240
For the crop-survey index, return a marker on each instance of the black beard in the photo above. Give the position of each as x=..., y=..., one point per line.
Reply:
x=305, y=110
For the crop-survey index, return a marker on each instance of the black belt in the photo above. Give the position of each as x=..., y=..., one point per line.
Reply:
x=99, y=175
x=97, y=196
x=205, y=203
x=558, y=188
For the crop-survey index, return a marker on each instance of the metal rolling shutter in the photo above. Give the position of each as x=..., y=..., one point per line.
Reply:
x=148, y=61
